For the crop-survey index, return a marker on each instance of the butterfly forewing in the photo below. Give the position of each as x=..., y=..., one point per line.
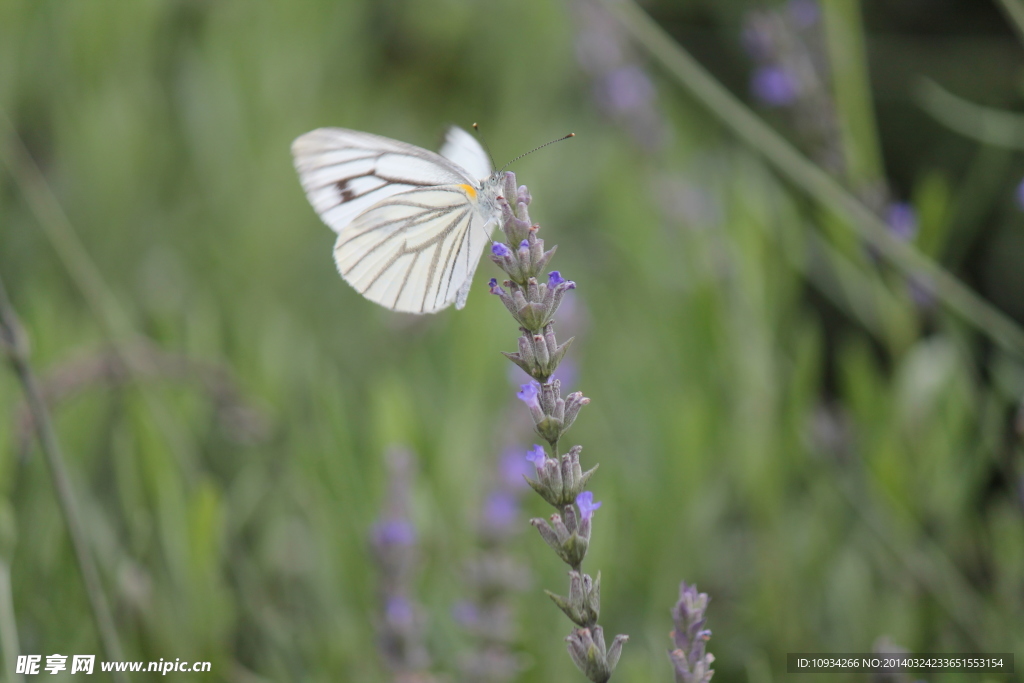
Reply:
x=414, y=251
x=344, y=172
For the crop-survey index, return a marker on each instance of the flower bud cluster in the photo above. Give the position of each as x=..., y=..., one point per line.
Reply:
x=539, y=354
x=532, y=304
x=559, y=481
x=583, y=605
x=533, y=301
x=552, y=415
x=588, y=652
x=568, y=535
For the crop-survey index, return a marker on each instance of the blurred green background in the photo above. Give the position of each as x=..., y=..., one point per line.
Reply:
x=779, y=415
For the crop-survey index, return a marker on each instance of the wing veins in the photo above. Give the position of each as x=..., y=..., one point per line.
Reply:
x=410, y=222
x=442, y=235
x=405, y=280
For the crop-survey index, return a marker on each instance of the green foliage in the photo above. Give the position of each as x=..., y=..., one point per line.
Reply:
x=824, y=479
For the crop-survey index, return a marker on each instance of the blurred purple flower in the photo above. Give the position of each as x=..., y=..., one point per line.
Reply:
x=566, y=373
x=555, y=278
x=495, y=287
x=922, y=292
x=466, y=614
x=398, y=610
x=395, y=532
x=513, y=467
x=500, y=250
x=774, y=86
x=1020, y=194
x=501, y=509
x=585, y=502
x=902, y=220
x=805, y=13
x=627, y=89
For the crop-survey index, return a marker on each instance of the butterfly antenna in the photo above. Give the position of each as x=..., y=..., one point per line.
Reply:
x=550, y=142
x=480, y=136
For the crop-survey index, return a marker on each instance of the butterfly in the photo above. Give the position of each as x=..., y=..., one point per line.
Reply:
x=411, y=224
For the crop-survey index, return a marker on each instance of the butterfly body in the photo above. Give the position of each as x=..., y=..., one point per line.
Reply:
x=411, y=224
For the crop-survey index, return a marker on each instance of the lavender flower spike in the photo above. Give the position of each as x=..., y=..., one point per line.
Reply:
x=692, y=664
x=560, y=477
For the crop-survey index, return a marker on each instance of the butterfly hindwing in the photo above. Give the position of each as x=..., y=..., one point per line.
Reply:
x=413, y=251
x=464, y=150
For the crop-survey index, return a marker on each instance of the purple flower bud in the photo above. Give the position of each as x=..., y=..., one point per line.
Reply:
x=393, y=532
x=495, y=287
x=528, y=394
x=585, y=502
x=555, y=278
x=525, y=244
x=774, y=86
x=536, y=456
x=398, y=610
x=500, y=250
x=902, y=220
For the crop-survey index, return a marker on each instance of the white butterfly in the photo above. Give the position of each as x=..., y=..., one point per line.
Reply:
x=411, y=224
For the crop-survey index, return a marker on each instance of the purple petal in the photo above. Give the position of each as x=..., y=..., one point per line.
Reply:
x=585, y=502
x=774, y=86
x=528, y=394
x=500, y=250
x=555, y=278
x=902, y=220
x=536, y=456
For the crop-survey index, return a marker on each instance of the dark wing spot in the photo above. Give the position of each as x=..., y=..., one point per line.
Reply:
x=346, y=192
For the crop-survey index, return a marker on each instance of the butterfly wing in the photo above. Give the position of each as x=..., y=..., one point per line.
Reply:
x=410, y=230
x=415, y=251
x=464, y=150
x=345, y=172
